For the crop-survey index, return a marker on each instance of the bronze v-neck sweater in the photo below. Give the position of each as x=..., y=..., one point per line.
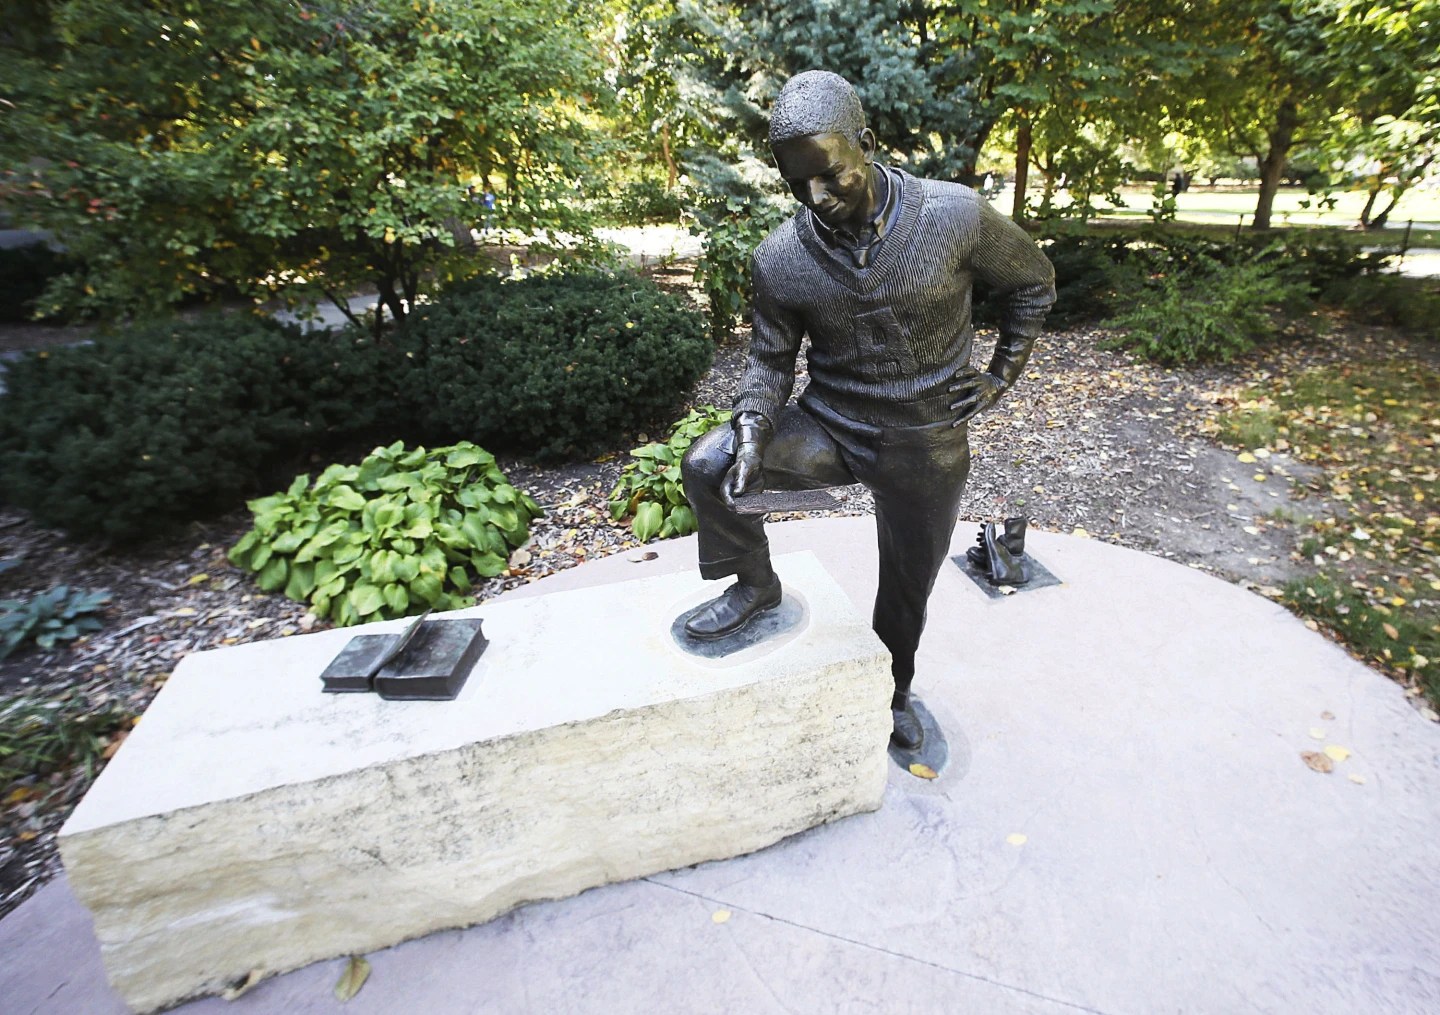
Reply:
x=887, y=340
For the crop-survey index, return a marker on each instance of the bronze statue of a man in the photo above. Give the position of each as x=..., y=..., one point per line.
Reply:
x=876, y=269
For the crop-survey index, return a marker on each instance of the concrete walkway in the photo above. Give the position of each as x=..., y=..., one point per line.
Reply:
x=1125, y=825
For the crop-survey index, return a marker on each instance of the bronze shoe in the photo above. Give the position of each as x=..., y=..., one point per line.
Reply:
x=1003, y=568
x=733, y=609
x=908, y=734
x=1013, y=540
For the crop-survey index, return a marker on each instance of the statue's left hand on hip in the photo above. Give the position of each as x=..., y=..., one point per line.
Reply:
x=974, y=392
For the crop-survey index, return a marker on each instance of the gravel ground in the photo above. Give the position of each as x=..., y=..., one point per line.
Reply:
x=1090, y=442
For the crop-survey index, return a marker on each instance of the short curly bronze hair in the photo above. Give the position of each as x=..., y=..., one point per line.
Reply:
x=816, y=102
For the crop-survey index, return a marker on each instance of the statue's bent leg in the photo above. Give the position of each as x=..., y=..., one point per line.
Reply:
x=919, y=476
x=800, y=456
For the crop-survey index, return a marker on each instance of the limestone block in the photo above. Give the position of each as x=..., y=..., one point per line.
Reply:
x=252, y=822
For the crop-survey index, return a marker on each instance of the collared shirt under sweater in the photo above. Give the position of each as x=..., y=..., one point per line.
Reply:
x=887, y=340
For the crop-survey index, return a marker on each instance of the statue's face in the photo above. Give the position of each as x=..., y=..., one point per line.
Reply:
x=830, y=175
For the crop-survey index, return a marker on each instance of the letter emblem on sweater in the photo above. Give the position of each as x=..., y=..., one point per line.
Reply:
x=881, y=344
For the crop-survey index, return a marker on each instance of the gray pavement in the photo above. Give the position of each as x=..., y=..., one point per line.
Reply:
x=1125, y=825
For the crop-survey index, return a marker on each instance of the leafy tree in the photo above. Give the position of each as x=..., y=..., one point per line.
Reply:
x=199, y=148
x=1390, y=120
x=1302, y=65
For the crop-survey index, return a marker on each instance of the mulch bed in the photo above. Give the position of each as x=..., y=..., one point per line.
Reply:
x=1091, y=440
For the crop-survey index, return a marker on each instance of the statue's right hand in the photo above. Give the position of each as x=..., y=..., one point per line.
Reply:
x=745, y=475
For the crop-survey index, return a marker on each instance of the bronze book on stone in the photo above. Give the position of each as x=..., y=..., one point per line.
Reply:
x=433, y=666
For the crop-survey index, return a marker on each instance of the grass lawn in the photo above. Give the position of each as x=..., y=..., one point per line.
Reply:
x=1202, y=204
x=1372, y=426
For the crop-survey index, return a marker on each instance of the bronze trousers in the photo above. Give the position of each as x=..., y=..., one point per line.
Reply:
x=916, y=474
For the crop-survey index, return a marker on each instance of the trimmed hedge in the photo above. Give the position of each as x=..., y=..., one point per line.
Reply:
x=163, y=424
x=551, y=365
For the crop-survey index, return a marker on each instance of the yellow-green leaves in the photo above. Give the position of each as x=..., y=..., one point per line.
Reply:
x=650, y=489
x=404, y=531
x=352, y=978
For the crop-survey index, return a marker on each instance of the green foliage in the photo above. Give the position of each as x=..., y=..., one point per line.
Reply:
x=159, y=425
x=1368, y=428
x=649, y=492
x=1090, y=277
x=400, y=533
x=1205, y=312
x=61, y=614
x=24, y=274
x=726, y=260
x=641, y=202
x=1410, y=304
x=1404, y=639
x=40, y=737
x=209, y=148
x=550, y=365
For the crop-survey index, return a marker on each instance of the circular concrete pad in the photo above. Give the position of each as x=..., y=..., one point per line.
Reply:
x=1133, y=830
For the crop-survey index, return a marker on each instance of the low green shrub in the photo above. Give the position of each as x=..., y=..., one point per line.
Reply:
x=164, y=423
x=725, y=260
x=24, y=274
x=1410, y=304
x=1206, y=313
x=397, y=534
x=649, y=492
x=642, y=202
x=1098, y=272
x=551, y=365
x=39, y=737
x=60, y=614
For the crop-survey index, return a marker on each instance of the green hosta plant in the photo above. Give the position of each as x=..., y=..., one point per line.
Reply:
x=61, y=614
x=649, y=492
x=399, y=533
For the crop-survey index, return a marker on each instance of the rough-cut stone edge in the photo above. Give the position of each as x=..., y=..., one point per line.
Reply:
x=273, y=868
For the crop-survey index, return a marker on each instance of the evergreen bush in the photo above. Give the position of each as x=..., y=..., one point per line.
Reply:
x=162, y=424
x=550, y=365
x=1206, y=312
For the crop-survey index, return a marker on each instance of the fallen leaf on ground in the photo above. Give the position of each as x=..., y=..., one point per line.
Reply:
x=520, y=558
x=357, y=971
x=1078, y=531
x=1317, y=734
x=242, y=986
x=1317, y=761
x=720, y=916
x=1431, y=714
x=1336, y=753
x=644, y=557
x=1245, y=457
x=1016, y=839
x=1357, y=778
x=1390, y=631
x=1327, y=715
x=920, y=771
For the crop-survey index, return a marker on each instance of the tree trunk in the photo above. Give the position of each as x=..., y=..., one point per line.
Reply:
x=389, y=300
x=1382, y=220
x=672, y=171
x=1022, y=167
x=1369, y=207
x=1272, y=166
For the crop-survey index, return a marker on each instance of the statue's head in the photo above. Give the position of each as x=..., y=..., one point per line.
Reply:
x=823, y=148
